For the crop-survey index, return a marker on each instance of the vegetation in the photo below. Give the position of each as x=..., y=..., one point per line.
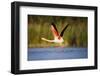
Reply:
x=74, y=36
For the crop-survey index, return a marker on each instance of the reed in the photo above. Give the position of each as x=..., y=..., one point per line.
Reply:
x=39, y=26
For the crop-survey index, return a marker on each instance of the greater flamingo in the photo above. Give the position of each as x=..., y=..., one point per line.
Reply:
x=58, y=37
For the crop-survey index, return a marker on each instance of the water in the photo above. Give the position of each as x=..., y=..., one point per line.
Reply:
x=56, y=53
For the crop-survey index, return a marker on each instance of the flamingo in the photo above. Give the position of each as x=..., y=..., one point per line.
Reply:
x=58, y=37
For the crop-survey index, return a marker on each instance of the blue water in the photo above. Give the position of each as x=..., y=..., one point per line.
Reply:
x=56, y=53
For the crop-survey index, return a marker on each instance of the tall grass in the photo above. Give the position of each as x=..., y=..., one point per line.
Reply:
x=74, y=36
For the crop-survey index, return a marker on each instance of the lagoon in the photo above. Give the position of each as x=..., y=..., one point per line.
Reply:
x=57, y=53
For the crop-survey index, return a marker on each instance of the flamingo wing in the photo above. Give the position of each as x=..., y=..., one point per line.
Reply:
x=54, y=30
x=62, y=33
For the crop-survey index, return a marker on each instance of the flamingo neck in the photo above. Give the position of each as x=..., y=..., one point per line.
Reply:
x=56, y=40
x=47, y=40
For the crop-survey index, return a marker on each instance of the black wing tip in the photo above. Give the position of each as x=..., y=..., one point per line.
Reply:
x=64, y=30
x=67, y=25
x=52, y=23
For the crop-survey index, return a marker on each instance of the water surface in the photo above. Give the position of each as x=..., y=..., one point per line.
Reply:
x=56, y=53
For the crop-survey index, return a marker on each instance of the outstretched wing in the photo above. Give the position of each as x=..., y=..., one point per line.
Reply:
x=62, y=33
x=54, y=30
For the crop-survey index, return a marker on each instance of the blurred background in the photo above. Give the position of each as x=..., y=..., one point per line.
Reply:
x=74, y=36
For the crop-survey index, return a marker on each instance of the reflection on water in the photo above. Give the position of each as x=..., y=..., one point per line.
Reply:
x=56, y=53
